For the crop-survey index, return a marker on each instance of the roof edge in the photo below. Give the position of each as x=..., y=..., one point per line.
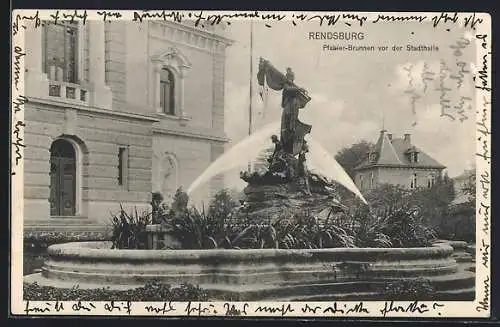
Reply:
x=398, y=166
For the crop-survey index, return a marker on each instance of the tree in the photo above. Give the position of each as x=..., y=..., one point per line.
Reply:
x=222, y=204
x=469, y=186
x=350, y=157
x=434, y=203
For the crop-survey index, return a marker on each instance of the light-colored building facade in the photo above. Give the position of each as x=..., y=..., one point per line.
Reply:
x=397, y=161
x=116, y=111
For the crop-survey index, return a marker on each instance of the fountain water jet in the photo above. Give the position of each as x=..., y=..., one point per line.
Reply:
x=240, y=154
x=288, y=185
x=320, y=161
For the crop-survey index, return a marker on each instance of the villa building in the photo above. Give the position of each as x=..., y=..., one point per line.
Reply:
x=115, y=111
x=397, y=161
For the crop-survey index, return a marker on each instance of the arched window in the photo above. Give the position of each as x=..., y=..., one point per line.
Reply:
x=413, y=181
x=167, y=91
x=169, y=71
x=372, y=180
x=361, y=182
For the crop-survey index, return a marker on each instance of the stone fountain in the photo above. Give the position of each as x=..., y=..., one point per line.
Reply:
x=348, y=274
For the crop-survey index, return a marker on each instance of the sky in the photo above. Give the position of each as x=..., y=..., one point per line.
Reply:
x=356, y=94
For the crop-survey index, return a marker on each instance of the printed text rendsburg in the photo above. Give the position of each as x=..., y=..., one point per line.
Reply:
x=336, y=36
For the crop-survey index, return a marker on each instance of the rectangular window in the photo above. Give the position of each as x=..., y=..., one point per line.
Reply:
x=431, y=181
x=61, y=51
x=123, y=166
x=413, y=181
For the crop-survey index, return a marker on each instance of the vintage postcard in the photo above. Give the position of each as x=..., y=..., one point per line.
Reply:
x=267, y=164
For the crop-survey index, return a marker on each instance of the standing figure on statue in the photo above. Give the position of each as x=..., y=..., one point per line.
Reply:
x=290, y=116
x=294, y=98
x=302, y=169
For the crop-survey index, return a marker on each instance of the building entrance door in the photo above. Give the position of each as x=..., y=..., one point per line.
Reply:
x=62, y=178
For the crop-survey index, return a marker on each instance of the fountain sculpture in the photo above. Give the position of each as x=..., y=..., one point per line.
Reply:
x=287, y=183
x=268, y=274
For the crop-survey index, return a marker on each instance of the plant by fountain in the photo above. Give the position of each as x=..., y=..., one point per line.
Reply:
x=394, y=219
x=294, y=229
x=409, y=289
x=151, y=291
x=129, y=229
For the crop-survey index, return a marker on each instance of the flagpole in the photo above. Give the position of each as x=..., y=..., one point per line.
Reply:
x=250, y=113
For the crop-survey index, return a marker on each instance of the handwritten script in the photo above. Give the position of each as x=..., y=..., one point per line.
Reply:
x=203, y=18
x=236, y=309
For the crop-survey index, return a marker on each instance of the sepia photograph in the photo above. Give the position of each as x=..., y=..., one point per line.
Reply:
x=206, y=163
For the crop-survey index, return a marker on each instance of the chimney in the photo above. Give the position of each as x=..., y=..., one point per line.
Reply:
x=408, y=138
x=389, y=135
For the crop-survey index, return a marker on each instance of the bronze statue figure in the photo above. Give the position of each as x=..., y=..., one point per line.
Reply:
x=293, y=99
x=287, y=179
x=302, y=169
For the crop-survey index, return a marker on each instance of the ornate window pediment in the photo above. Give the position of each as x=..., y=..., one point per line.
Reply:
x=172, y=58
x=168, y=98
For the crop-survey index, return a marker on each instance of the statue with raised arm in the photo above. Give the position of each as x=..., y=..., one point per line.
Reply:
x=282, y=187
x=293, y=99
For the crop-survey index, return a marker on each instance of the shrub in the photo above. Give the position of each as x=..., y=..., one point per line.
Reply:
x=152, y=291
x=364, y=226
x=303, y=230
x=197, y=230
x=370, y=234
x=395, y=217
x=200, y=230
x=409, y=290
x=294, y=231
x=129, y=229
x=460, y=224
x=300, y=230
x=406, y=227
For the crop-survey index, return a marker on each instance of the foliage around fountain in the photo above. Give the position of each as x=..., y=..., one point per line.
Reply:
x=396, y=218
x=153, y=291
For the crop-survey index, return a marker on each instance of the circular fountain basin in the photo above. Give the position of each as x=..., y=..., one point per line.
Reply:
x=257, y=274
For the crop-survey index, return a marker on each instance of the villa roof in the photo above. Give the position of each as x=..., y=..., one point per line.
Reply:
x=393, y=152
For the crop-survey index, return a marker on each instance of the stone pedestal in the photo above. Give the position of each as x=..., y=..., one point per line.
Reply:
x=161, y=238
x=286, y=188
x=265, y=203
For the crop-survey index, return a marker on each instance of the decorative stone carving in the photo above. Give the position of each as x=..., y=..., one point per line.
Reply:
x=179, y=64
x=188, y=36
